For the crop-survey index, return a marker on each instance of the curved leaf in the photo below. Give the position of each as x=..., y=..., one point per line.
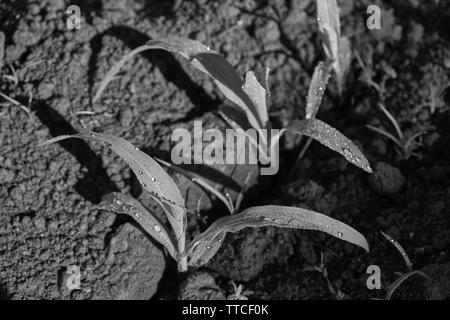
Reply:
x=333, y=139
x=257, y=94
x=279, y=216
x=152, y=177
x=400, y=249
x=124, y=204
x=198, y=180
x=205, y=60
x=317, y=89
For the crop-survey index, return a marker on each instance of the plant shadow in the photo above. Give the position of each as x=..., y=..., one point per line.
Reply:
x=166, y=63
x=96, y=182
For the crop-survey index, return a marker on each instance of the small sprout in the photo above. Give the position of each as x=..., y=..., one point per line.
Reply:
x=406, y=145
x=239, y=292
x=14, y=102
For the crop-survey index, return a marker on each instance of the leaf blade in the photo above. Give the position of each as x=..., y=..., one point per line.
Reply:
x=124, y=204
x=280, y=216
x=333, y=139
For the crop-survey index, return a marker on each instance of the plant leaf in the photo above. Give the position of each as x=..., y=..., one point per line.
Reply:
x=280, y=216
x=124, y=204
x=333, y=139
x=205, y=60
x=198, y=180
x=399, y=249
x=257, y=94
x=152, y=177
x=317, y=89
x=235, y=117
x=329, y=26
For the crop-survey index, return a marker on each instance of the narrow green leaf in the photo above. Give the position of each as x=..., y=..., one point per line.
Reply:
x=399, y=249
x=198, y=180
x=317, y=89
x=205, y=60
x=124, y=204
x=333, y=139
x=280, y=216
x=257, y=94
x=152, y=177
x=329, y=26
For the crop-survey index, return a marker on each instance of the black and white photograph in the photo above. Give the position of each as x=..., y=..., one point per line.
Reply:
x=241, y=151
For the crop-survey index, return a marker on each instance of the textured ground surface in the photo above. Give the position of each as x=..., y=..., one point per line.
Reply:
x=49, y=218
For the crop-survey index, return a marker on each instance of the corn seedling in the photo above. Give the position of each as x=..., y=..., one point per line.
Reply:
x=403, y=277
x=405, y=144
x=160, y=186
x=249, y=96
x=239, y=292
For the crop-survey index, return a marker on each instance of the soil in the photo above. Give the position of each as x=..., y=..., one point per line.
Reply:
x=49, y=214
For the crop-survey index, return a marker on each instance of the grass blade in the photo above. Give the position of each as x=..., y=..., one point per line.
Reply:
x=124, y=204
x=284, y=217
x=152, y=177
x=400, y=249
x=333, y=139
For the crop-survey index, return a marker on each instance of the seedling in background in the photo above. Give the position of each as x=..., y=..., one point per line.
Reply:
x=239, y=292
x=159, y=185
x=322, y=269
x=368, y=73
x=406, y=145
x=403, y=277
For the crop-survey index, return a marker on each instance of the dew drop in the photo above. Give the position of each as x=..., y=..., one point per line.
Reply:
x=153, y=179
x=144, y=185
x=219, y=241
x=137, y=149
x=347, y=153
x=140, y=172
x=340, y=234
x=208, y=247
x=157, y=228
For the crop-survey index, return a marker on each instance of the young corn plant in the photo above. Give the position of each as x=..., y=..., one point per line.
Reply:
x=160, y=186
x=250, y=98
x=406, y=144
x=337, y=50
